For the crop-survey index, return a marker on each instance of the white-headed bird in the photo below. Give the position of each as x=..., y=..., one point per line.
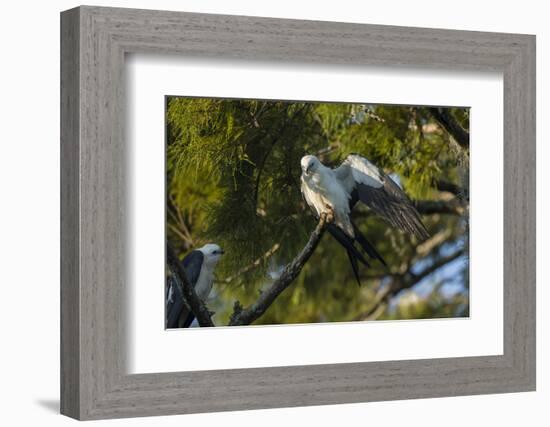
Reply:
x=336, y=191
x=199, y=267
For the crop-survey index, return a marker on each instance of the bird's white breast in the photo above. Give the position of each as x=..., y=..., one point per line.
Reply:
x=204, y=282
x=325, y=192
x=337, y=194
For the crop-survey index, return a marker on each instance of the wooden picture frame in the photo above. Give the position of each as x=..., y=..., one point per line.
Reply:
x=94, y=41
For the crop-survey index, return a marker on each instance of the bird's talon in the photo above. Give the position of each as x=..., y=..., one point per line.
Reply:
x=329, y=214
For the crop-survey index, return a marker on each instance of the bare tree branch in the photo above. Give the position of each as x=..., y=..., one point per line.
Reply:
x=187, y=292
x=404, y=281
x=245, y=316
x=378, y=301
x=430, y=207
x=378, y=310
x=434, y=242
x=451, y=125
x=436, y=265
x=451, y=187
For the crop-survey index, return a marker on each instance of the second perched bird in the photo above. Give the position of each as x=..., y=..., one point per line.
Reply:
x=199, y=267
x=336, y=191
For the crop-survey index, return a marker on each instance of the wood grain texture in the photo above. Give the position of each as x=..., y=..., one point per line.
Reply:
x=70, y=315
x=94, y=382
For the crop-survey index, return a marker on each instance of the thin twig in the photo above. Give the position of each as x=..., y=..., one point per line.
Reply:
x=180, y=227
x=253, y=264
x=178, y=232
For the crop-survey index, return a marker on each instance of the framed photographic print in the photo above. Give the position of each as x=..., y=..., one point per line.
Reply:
x=348, y=211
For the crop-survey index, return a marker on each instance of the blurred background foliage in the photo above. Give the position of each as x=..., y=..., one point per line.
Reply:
x=233, y=173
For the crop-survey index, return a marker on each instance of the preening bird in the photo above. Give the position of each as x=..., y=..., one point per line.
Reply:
x=336, y=191
x=199, y=267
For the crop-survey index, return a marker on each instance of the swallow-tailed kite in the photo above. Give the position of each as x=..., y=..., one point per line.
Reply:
x=336, y=191
x=199, y=266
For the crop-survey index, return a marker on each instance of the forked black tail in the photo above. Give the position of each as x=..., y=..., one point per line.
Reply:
x=354, y=254
x=366, y=245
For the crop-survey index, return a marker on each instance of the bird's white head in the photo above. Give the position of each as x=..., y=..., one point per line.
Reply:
x=310, y=164
x=212, y=253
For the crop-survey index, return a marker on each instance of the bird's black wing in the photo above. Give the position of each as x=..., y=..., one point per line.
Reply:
x=192, y=265
x=174, y=304
x=394, y=206
x=178, y=315
x=380, y=193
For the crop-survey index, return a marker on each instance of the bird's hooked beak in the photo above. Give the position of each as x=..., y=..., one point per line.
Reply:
x=307, y=170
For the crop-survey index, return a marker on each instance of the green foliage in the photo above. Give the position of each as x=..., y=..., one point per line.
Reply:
x=233, y=173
